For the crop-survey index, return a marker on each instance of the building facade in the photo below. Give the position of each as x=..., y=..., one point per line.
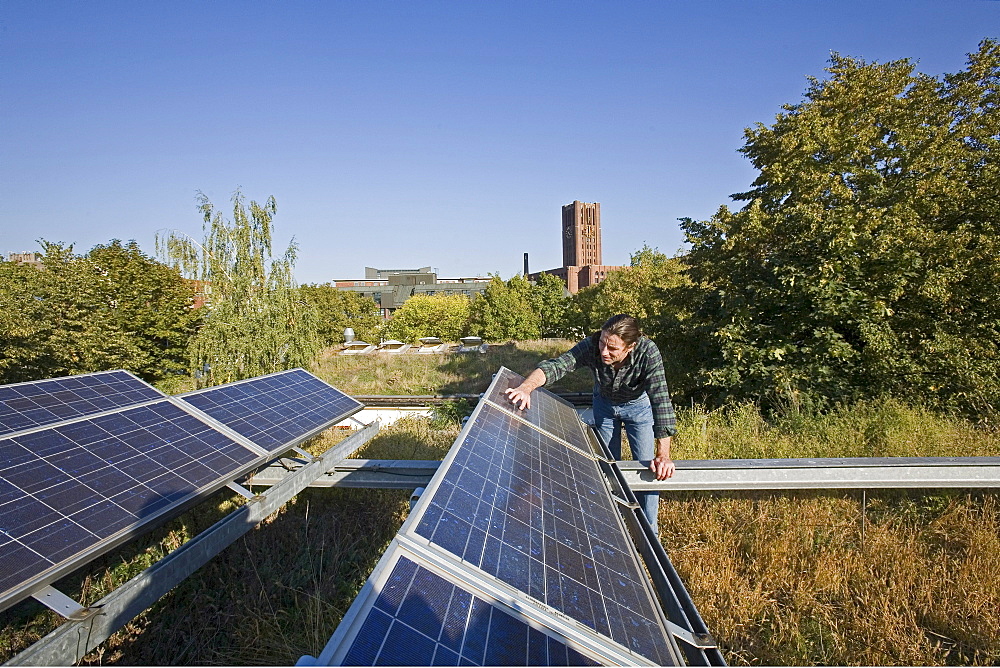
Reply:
x=390, y=288
x=581, y=242
x=30, y=259
x=581, y=226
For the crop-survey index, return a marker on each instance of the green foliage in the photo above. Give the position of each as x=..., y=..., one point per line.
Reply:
x=444, y=316
x=337, y=310
x=257, y=321
x=112, y=308
x=551, y=302
x=865, y=261
x=451, y=413
x=505, y=311
x=641, y=290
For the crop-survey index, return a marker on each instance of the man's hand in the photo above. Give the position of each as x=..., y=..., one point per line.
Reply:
x=519, y=396
x=662, y=468
x=662, y=465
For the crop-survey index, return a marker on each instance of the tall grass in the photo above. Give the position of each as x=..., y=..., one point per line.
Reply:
x=839, y=578
x=450, y=373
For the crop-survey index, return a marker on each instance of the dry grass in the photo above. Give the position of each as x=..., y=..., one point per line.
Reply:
x=812, y=579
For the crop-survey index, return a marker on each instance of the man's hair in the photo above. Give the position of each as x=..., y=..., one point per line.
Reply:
x=624, y=326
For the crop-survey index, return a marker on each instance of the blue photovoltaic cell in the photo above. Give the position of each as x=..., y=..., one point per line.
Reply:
x=536, y=514
x=275, y=411
x=39, y=403
x=67, y=488
x=419, y=618
x=547, y=411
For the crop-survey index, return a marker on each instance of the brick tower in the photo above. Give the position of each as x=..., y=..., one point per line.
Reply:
x=581, y=226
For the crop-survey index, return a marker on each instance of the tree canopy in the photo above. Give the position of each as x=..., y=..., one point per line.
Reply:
x=504, y=311
x=112, y=308
x=336, y=310
x=444, y=316
x=865, y=259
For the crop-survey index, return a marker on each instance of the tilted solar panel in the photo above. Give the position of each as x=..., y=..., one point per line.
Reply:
x=535, y=514
x=42, y=402
x=276, y=411
x=525, y=515
x=547, y=411
x=85, y=485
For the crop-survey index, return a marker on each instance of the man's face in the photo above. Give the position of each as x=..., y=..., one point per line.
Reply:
x=613, y=349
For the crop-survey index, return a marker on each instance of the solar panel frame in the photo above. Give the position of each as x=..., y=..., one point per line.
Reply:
x=63, y=502
x=34, y=404
x=233, y=404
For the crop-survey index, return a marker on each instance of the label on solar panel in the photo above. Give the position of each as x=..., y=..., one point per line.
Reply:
x=42, y=402
x=277, y=411
x=69, y=489
x=528, y=515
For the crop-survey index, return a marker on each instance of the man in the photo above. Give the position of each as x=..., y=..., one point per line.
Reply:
x=630, y=392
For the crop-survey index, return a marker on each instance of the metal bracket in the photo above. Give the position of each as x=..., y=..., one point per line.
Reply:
x=358, y=422
x=62, y=604
x=241, y=490
x=623, y=502
x=309, y=458
x=696, y=640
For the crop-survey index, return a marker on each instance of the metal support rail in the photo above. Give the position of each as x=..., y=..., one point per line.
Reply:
x=692, y=474
x=832, y=473
x=70, y=642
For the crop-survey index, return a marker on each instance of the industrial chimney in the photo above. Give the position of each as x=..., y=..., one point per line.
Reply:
x=525, y=265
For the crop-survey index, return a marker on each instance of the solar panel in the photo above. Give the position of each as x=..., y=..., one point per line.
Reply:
x=417, y=612
x=535, y=514
x=85, y=485
x=548, y=412
x=38, y=403
x=523, y=513
x=276, y=411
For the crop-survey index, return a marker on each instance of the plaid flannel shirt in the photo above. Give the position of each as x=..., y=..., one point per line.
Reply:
x=641, y=372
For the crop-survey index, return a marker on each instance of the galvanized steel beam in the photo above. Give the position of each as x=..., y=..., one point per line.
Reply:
x=834, y=473
x=359, y=473
x=701, y=474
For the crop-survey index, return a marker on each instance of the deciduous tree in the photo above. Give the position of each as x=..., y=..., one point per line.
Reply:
x=336, y=310
x=504, y=311
x=444, y=316
x=865, y=260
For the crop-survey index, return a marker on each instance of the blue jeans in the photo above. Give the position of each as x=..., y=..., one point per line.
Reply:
x=636, y=417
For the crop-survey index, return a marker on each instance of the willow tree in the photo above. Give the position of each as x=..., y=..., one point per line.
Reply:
x=257, y=322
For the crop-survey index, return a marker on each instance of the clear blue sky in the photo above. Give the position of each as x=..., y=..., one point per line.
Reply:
x=403, y=134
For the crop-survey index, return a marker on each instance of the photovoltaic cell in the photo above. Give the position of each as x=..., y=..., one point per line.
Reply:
x=526, y=509
x=420, y=618
x=68, y=488
x=39, y=403
x=547, y=411
x=275, y=411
